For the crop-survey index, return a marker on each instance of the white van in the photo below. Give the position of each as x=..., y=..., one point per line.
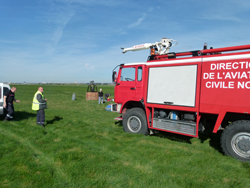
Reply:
x=3, y=89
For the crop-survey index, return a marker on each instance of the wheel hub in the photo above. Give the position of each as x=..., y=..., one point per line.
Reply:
x=241, y=144
x=134, y=124
x=244, y=144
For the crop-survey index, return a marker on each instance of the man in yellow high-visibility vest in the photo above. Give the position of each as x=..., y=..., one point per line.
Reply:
x=39, y=104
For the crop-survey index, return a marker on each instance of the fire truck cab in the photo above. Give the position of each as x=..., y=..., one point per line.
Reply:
x=188, y=92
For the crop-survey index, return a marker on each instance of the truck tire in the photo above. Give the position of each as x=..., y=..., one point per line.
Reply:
x=134, y=121
x=235, y=140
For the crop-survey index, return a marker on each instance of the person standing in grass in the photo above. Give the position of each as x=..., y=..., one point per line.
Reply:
x=100, y=96
x=8, y=99
x=39, y=104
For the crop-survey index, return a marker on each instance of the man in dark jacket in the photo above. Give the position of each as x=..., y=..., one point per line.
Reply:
x=8, y=99
x=100, y=96
x=39, y=104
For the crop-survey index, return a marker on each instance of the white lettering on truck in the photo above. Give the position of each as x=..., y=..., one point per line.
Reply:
x=227, y=73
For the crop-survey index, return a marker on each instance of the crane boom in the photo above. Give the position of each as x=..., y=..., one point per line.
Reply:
x=162, y=47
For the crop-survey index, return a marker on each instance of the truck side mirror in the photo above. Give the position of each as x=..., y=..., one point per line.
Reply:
x=114, y=76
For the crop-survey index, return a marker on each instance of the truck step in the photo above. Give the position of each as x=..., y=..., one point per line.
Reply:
x=118, y=118
x=186, y=127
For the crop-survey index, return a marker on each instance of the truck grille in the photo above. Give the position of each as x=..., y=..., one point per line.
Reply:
x=175, y=125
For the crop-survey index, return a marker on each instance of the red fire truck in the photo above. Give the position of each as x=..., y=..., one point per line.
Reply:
x=187, y=92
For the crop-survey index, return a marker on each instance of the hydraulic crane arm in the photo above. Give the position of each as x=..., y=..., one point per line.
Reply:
x=162, y=47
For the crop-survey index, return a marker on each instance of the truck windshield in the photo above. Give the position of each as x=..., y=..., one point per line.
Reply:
x=128, y=74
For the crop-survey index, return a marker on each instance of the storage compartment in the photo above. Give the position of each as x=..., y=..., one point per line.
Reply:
x=175, y=125
x=173, y=85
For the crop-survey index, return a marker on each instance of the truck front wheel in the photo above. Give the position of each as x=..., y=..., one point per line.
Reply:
x=235, y=140
x=134, y=121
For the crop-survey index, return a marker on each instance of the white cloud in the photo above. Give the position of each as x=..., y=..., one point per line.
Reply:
x=57, y=18
x=150, y=9
x=138, y=22
x=59, y=27
x=88, y=66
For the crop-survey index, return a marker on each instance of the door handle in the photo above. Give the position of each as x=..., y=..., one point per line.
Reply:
x=168, y=103
x=132, y=88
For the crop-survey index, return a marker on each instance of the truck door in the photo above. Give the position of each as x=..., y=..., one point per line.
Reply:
x=139, y=83
x=126, y=85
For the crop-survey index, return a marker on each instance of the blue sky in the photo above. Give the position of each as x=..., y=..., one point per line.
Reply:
x=80, y=40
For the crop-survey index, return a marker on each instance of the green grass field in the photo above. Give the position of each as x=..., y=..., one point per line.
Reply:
x=83, y=146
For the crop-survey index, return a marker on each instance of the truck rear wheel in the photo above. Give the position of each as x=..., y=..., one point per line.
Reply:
x=235, y=140
x=134, y=121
